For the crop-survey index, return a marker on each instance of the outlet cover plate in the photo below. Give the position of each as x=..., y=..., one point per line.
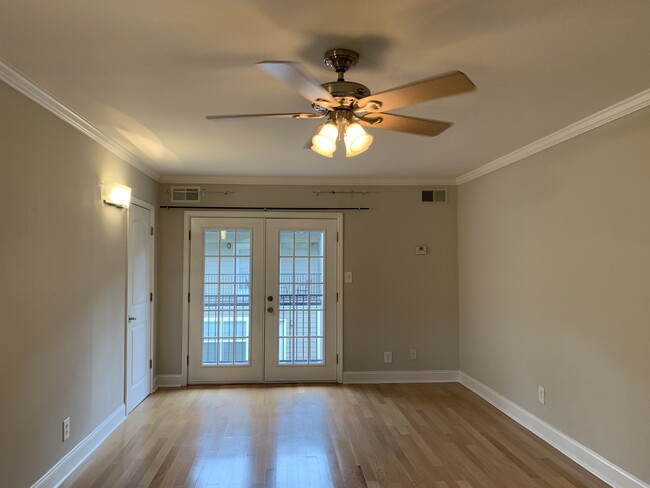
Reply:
x=66, y=429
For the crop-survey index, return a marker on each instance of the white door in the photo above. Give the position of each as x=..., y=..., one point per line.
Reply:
x=262, y=300
x=226, y=342
x=139, y=289
x=300, y=318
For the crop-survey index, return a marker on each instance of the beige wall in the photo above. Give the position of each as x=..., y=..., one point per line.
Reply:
x=554, y=275
x=555, y=287
x=398, y=300
x=62, y=286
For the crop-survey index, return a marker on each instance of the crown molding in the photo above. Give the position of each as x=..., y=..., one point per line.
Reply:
x=307, y=181
x=12, y=77
x=616, y=111
x=24, y=85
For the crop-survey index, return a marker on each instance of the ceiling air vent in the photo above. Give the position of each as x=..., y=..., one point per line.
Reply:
x=434, y=196
x=185, y=194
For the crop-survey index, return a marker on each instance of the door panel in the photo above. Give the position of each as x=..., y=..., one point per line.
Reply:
x=138, y=337
x=226, y=329
x=301, y=278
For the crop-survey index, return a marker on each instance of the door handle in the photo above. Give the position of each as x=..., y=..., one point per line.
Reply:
x=269, y=310
x=131, y=319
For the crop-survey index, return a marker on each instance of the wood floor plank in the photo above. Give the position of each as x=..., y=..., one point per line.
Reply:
x=325, y=436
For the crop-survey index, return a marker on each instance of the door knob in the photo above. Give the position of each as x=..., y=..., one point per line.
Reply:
x=131, y=319
x=269, y=310
x=269, y=298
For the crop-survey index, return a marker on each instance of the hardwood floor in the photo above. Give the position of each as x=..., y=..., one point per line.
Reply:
x=306, y=436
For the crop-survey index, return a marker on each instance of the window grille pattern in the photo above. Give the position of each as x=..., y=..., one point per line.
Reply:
x=301, y=279
x=226, y=297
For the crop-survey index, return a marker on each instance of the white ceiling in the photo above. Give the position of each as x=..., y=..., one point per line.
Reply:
x=146, y=72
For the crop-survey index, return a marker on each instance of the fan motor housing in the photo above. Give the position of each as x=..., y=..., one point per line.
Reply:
x=347, y=90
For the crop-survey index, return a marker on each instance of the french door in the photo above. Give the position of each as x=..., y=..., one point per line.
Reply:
x=262, y=300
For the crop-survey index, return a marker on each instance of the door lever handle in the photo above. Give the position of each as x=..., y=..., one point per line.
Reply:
x=131, y=319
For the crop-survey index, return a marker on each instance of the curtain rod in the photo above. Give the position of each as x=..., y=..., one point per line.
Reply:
x=191, y=207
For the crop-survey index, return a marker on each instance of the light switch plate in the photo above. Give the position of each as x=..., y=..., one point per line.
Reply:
x=347, y=277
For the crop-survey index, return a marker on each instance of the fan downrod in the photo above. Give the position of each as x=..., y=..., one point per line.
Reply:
x=346, y=92
x=340, y=60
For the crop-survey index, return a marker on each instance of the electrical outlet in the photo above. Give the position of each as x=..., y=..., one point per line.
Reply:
x=541, y=394
x=413, y=354
x=66, y=429
x=388, y=357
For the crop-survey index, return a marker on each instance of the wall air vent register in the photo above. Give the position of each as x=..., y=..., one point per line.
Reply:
x=184, y=194
x=438, y=195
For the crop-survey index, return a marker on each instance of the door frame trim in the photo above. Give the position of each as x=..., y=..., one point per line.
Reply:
x=152, y=281
x=187, y=218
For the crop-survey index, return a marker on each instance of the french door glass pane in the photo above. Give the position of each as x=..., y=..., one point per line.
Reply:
x=226, y=297
x=301, y=275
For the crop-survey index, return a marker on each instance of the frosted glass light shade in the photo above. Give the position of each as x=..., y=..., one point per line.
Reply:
x=116, y=195
x=324, y=141
x=318, y=150
x=356, y=139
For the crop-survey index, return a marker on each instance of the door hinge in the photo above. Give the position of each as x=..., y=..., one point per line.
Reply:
x=151, y=363
x=188, y=297
x=188, y=360
x=190, y=236
x=151, y=297
x=337, y=237
x=152, y=230
x=337, y=359
x=337, y=296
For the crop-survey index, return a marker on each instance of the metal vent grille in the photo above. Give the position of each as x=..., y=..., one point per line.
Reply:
x=185, y=194
x=438, y=195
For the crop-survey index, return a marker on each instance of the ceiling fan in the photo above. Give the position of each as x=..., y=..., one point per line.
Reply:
x=348, y=105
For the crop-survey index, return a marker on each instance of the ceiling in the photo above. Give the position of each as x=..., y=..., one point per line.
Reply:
x=146, y=73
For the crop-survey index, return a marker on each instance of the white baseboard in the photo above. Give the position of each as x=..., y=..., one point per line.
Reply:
x=352, y=377
x=64, y=468
x=585, y=457
x=168, y=381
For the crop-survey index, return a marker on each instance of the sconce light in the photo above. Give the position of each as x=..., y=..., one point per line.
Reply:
x=116, y=195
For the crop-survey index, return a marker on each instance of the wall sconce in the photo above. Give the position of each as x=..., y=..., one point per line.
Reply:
x=116, y=195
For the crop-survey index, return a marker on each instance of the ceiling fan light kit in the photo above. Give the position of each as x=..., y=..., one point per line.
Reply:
x=324, y=141
x=341, y=126
x=348, y=105
x=356, y=139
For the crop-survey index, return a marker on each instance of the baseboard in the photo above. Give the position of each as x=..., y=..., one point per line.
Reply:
x=64, y=468
x=352, y=377
x=585, y=457
x=168, y=381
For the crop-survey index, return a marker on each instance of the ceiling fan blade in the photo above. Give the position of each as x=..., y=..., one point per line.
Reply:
x=277, y=116
x=402, y=123
x=420, y=91
x=297, y=79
